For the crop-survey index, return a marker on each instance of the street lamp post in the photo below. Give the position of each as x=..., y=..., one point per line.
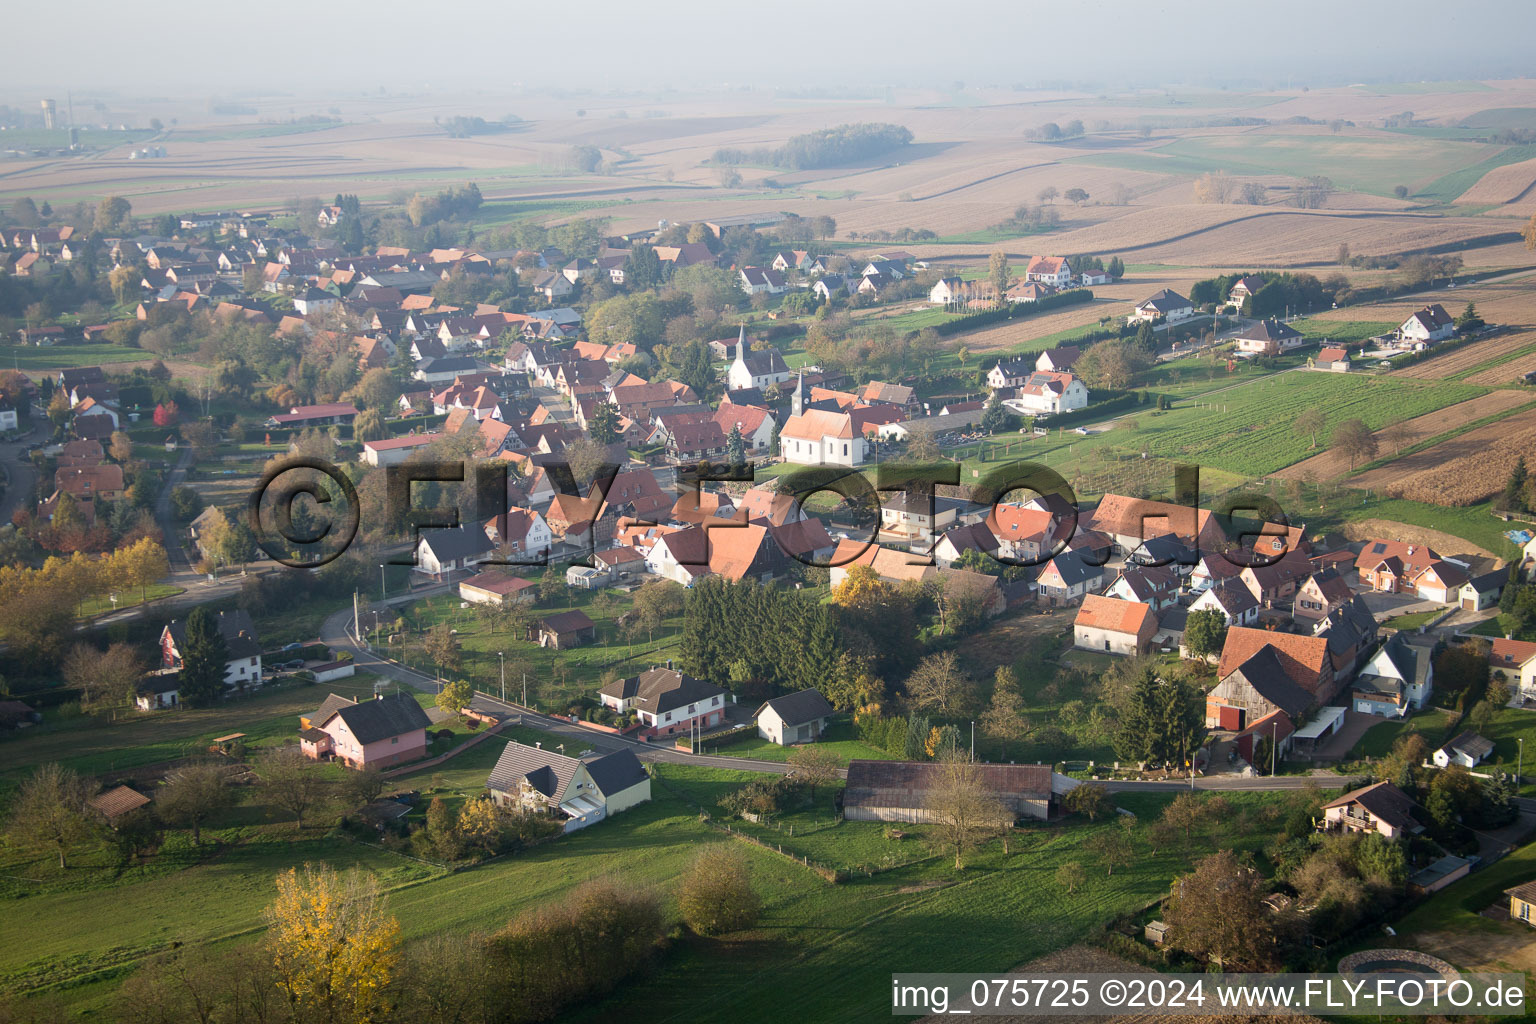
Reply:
x=502, y=656
x=383, y=589
x=1519, y=762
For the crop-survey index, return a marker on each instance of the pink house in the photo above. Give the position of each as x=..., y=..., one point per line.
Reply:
x=369, y=734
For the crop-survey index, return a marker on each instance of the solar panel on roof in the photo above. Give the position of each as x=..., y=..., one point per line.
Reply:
x=1378, y=549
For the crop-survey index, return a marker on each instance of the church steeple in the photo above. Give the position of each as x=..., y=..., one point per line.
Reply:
x=797, y=402
x=742, y=345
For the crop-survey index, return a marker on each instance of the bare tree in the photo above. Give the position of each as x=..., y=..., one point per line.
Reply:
x=965, y=810
x=49, y=812
x=1399, y=435
x=1354, y=438
x=292, y=781
x=193, y=794
x=814, y=763
x=940, y=684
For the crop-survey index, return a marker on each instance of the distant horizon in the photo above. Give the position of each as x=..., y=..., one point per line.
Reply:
x=689, y=45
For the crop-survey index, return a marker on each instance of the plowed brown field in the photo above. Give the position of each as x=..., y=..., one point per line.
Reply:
x=1469, y=356
x=1461, y=471
x=1329, y=464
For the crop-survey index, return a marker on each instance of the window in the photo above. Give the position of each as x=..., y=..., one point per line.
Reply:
x=394, y=739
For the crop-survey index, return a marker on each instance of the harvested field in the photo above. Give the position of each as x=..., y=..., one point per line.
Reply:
x=1461, y=471
x=1329, y=464
x=1505, y=301
x=1469, y=357
x=1505, y=184
x=1506, y=372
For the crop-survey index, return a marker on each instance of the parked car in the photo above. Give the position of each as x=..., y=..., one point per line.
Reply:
x=293, y=646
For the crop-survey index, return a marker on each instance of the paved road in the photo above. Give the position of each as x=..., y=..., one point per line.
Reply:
x=166, y=517
x=19, y=472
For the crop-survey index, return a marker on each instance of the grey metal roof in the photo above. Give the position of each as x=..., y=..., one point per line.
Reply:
x=1269, y=679
x=660, y=690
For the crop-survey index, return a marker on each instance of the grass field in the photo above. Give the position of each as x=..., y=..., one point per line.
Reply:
x=1502, y=625
x=1342, y=332
x=1360, y=163
x=1246, y=429
x=1448, y=187
x=129, y=598
x=26, y=357
x=838, y=738
x=1412, y=620
x=1431, y=723
x=562, y=676
x=93, y=746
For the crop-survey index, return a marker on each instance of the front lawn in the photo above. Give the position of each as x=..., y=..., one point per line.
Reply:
x=839, y=738
x=127, y=599
x=1413, y=620
x=1431, y=723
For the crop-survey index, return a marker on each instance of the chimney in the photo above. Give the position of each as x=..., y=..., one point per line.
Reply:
x=538, y=744
x=669, y=664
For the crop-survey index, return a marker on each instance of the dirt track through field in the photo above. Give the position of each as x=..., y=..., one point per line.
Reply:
x=1330, y=464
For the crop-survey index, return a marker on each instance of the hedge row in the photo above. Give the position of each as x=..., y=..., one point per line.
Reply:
x=1013, y=310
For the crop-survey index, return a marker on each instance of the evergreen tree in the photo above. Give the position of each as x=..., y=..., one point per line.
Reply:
x=736, y=447
x=1116, y=268
x=602, y=427
x=203, y=657
x=1514, y=487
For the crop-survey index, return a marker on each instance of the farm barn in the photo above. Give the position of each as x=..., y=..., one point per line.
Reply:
x=900, y=790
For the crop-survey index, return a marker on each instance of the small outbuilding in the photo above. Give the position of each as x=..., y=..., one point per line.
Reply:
x=794, y=718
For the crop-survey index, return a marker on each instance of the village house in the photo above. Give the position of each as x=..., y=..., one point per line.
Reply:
x=667, y=701
x=440, y=552
x=1391, y=566
x=1059, y=359
x=1069, y=577
x=532, y=780
x=1232, y=598
x=1522, y=903
x=390, y=729
x=901, y=790
x=1114, y=626
x=1396, y=681
x=241, y=647
x=499, y=589
x=1319, y=594
x=521, y=532
x=1268, y=338
x=1153, y=585
x=761, y=281
x=1244, y=289
x=1380, y=808
x=1441, y=581
x=1427, y=326
x=1250, y=685
x=793, y=718
x=1165, y=304
x=1049, y=270
x=1010, y=373
x=1482, y=591
x=947, y=291
x=392, y=451
x=1515, y=660
x=1047, y=392
x=1466, y=749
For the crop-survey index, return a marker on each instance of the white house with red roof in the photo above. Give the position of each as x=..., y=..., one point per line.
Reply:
x=1046, y=392
x=1052, y=270
x=1113, y=626
x=391, y=451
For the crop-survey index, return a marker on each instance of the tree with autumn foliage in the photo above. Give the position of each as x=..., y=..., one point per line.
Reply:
x=333, y=946
x=166, y=413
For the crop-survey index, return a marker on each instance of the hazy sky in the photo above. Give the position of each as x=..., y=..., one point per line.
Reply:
x=407, y=44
